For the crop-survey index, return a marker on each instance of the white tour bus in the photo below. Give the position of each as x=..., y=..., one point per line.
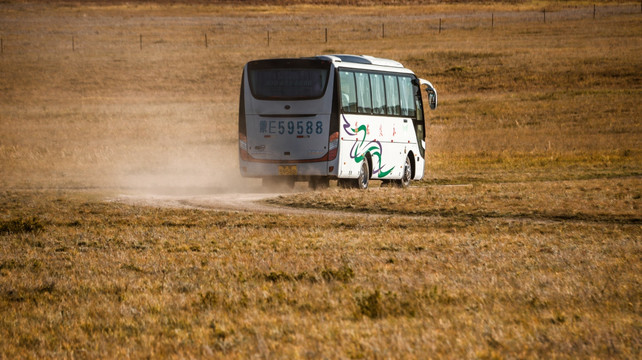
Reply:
x=345, y=117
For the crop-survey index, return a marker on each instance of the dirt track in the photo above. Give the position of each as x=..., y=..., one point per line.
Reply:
x=241, y=202
x=233, y=201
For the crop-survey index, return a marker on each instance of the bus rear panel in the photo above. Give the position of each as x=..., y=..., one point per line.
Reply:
x=285, y=116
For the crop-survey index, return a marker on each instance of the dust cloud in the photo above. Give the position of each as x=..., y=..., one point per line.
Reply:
x=201, y=177
x=170, y=147
x=182, y=170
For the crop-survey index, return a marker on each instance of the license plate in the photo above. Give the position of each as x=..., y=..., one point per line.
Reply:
x=287, y=170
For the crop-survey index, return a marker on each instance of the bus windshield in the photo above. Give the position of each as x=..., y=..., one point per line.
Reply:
x=297, y=79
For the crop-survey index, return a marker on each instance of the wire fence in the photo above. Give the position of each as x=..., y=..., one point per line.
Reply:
x=221, y=32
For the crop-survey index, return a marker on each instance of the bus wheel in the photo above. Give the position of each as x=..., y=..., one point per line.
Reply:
x=364, y=176
x=406, y=177
x=344, y=183
x=318, y=183
x=269, y=182
x=278, y=183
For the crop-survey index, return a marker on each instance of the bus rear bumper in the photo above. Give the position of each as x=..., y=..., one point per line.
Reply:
x=300, y=171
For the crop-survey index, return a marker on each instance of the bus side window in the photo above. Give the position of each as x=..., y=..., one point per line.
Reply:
x=407, y=96
x=348, y=92
x=364, y=100
x=378, y=94
x=392, y=95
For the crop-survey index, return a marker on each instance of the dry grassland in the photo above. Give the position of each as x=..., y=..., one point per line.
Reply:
x=523, y=241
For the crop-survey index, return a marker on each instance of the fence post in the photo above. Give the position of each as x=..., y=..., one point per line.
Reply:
x=492, y=20
x=594, y=11
x=383, y=31
x=1, y=46
x=544, y=16
x=326, y=35
x=440, y=25
x=141, y=41
x=268, y=38
x=73, y=44
x=206, y=40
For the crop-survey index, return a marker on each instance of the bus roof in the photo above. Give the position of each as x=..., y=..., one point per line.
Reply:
x=357, y=61
x=365, y=62
x=363, y=59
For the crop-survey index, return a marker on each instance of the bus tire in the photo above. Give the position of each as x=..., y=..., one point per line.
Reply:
x=278, y=183
x=268, y=182
x=406, y=176
x=347, y=183
x=319, y=183
x=364, y=176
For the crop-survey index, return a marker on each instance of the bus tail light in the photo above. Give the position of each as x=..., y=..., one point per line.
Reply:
x=333, y=146
x=243, y=147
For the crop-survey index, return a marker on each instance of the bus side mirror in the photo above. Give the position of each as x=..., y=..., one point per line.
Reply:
x=432, y=93
x=432, y=98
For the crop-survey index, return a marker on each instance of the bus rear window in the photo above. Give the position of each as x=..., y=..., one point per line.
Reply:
x=288, y=79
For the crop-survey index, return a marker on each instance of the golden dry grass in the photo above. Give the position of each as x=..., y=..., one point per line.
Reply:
x=523, y=241
x=110, y=280
x=597, y=200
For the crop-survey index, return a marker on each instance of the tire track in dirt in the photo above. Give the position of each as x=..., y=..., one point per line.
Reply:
x=235, y=202
x=255, y=202
x=251, y=202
